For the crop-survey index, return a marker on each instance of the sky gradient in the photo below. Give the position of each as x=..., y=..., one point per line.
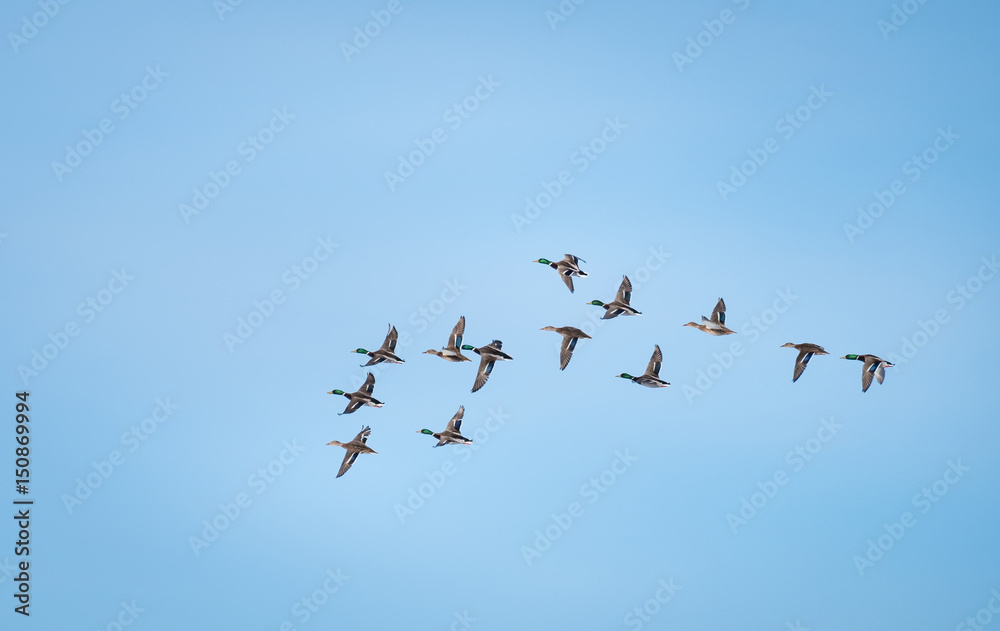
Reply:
x=207, y=208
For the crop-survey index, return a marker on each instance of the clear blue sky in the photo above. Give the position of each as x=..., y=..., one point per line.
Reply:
x=636, y=141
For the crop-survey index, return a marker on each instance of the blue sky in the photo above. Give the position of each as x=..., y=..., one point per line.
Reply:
x=250, y=164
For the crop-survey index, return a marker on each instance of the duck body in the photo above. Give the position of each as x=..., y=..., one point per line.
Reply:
x=570, y=336
x=650, y=378
x=361, y=398
x=716, y=325
x=452, y=434
x=453, y=351
x=489, y=355
x=386, y=353
x=621, y=304
x=873, y=367
x=355, y=447
x=568, y=267
x=806, y=352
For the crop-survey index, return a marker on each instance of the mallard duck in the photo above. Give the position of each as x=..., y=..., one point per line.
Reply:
x=717, y=324
x=452, y=434
x=620, y=305
x=570, y=335
x=650, y=378
x=355, y=447
x=567, y=268
x=362, y=397
x=806, y=351
x=385, y=353
x=453, y=351
x=873, y=366
x=489, y=355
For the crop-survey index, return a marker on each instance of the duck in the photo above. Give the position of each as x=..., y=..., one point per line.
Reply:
x=650, y=378
x=806, y=352
x=873, y=366
x=570, y=336
x=717, y=324
x=355, y=447
x=385, y=353
x=452, y=434
x=567, y=268
x=620, y=305
x=360, y=398
x=489, y=355
x=453, y=351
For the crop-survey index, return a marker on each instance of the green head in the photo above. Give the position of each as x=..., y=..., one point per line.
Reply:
x=361, y=351
x=851, y=357
x=543, y=261
x=468, y=347
x=596, y=303
x=336, y=392
x=625, y=375
x=425, y=431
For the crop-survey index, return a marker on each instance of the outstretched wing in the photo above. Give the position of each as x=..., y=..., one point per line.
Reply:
x=624, y=291
x=867, y=372
x=653, y=369
x=800, y=364
x=566, y=351
x=390, y=339
x=369, y=385
x=364, y=434
x=575, y=260
x=349, y=459
x=455, y=424
x=485, y=368
x=455, y=339
x=719, y=313
x=352, y=406
x=567, y=277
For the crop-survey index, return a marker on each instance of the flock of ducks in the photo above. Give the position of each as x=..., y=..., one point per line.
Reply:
x=873, y=367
